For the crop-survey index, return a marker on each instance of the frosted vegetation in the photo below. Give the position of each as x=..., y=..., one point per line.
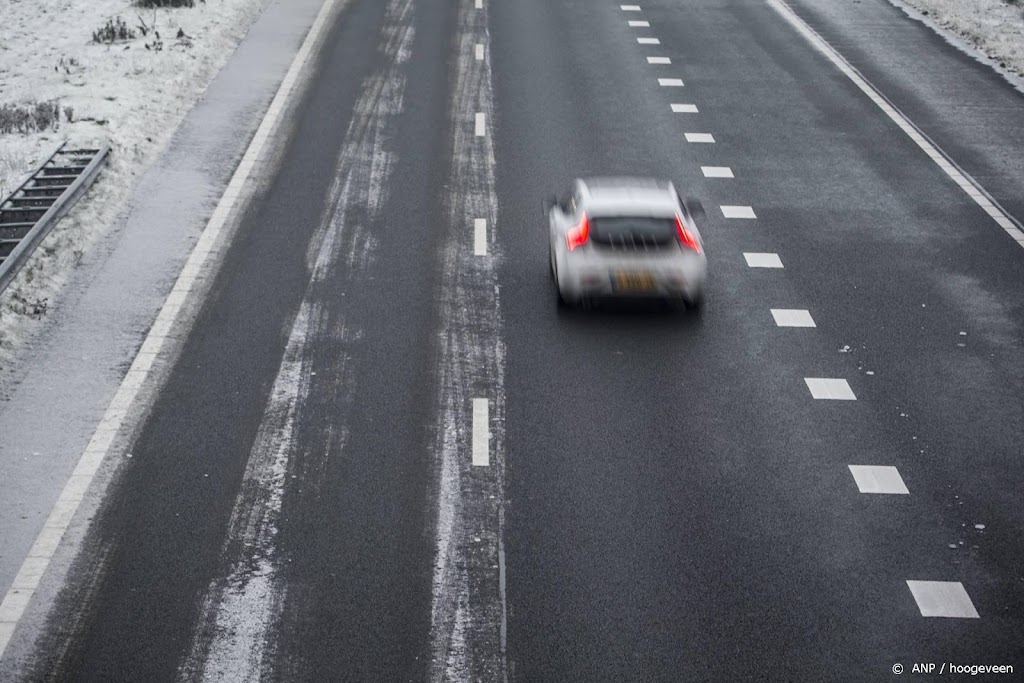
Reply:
x=996, y=27
x=92, y=71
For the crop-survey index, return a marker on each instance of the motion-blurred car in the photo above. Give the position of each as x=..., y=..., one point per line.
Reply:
x=626, y=237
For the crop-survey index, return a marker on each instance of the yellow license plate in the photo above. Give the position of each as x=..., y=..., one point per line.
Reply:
x=632, y=282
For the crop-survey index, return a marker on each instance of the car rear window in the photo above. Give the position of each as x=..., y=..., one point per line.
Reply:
x=632, y=230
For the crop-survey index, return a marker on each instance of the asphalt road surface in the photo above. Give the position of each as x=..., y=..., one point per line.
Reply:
x=384, y=453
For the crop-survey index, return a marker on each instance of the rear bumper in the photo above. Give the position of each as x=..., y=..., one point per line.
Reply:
x=665, y=282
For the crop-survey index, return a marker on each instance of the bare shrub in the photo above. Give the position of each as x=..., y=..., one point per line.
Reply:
x=164, y=3
x=29, y=118
x=114, y=31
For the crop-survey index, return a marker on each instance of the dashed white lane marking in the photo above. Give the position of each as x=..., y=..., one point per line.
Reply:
x=973, y=190
x=762, y=260
x=716, y=171
x=684, y=108
x=648, y=41
x=878, y=479
x=659, y=60
x=738, y=212
x=479, y=4
x=32, y=569
x=942, y=599
x=480, y=237
x=640, y=24
x=699, y=137
x=670, y=82
x=481, y=433
x=481, y=124
x=792, y=317
x=479, y=52
x=830, y=389
x=630, y=8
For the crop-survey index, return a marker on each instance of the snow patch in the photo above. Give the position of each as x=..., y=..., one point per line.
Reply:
x=121, y=93
x=993, y=26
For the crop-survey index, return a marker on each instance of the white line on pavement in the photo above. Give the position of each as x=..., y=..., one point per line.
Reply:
x=648, y=41
x=670, y=82
x=878, y=479
x=942, y=599
x=792, y=317
x=481, y=120
x=640, y=24
x=684, y=108
x=659, y=60
x=480, y=237
x=973, y=189
x=716, y=171
x=699, y=137
x=829, y=389
x=479, y=4
x=738, y=212
x=630, y=8
x=479, y=51
x=18, y=596
x=762, y=260
x=481, y=433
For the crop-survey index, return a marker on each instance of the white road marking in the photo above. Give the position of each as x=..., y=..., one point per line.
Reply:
x=630, y=8
x=716, y=171
x=479, y=52
x=738, y=212
x=878, y=479
x=481, y=433
x=973, y=189
x=640, y=24
x=648, y=41
x=762, y=260
x=479, y=4
x=481, y=120
x=670, y=82
x=659, y=60
x=480, y=237
x=792, y=317
x=699, y=137
x=942, y=599
x=684, y=108
x=16, y=599
x=830, y=389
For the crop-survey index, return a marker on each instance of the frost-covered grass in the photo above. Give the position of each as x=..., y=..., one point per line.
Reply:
x=995, y=26
x=130, y=93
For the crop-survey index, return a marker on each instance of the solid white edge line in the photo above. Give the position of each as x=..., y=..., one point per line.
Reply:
x=980, y=196
x=480, y=237
x=481, y=433
x=17, y=598
x=480, y=124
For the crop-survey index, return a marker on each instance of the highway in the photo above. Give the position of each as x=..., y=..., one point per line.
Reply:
x=382, y=452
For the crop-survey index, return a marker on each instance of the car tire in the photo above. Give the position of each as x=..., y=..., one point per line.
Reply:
x=695, y=302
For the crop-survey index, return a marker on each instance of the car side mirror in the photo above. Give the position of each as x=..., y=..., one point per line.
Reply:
x=694, y=207
x=549, y=203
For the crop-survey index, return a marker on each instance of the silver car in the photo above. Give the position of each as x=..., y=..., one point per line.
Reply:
x=626, y=237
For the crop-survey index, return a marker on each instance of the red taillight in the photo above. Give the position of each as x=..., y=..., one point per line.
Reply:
x=578, y=235
x=688, y=239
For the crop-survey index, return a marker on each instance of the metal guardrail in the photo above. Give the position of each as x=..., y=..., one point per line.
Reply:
x=31, y=211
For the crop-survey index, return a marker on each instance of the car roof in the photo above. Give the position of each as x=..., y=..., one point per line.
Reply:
x=625, y=196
